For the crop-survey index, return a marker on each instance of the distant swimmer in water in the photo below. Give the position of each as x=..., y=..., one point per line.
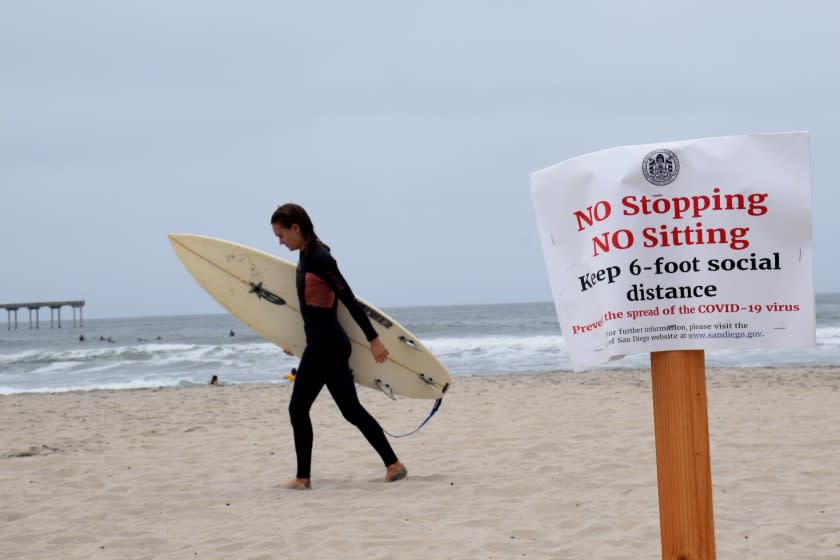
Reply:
x=232, y=333
x=215, y=381
x=81, y=338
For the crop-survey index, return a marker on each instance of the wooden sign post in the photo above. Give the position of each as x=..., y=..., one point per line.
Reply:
x=683, y=463
x=629, y=276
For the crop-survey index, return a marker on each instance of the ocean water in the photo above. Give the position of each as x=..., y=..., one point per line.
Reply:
x=183, y=350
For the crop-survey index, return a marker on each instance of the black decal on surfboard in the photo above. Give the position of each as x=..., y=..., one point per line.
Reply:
x=262, y=293
x=377, y=317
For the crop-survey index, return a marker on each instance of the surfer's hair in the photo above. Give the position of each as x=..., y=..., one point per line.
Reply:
x=289, y=214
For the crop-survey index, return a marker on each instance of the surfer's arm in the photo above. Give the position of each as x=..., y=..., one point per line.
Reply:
x=327, y=270
x=336, y=282
x=345, y=295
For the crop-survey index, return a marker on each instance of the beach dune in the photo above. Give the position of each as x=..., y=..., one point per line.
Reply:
x=558, y=465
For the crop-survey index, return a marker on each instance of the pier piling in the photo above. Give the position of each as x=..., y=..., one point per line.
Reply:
x=12, y=310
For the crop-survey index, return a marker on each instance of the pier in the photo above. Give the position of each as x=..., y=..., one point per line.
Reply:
x=12, y=310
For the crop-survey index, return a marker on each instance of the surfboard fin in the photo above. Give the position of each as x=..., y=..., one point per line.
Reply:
x=410, y=343
x=426, y=379
x=385, y=388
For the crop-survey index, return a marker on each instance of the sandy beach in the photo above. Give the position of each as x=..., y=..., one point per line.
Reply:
x=556, y=465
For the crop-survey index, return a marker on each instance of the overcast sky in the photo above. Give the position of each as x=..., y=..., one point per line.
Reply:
x=407, y=129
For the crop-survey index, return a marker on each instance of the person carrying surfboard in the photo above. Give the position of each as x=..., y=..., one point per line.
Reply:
x=320, y=286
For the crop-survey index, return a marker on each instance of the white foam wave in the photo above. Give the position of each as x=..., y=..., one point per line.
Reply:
x=142, y=365
x=144, y=383
x=828, y=336
x=541, y=343
x=497, y=354
x=164, y=364
x=161, y=353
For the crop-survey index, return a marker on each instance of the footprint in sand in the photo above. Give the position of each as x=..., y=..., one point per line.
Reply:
x=32, y=452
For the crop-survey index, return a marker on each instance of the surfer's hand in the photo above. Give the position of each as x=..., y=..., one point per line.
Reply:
x=377, y=348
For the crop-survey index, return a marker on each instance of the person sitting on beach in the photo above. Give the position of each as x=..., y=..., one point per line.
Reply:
x=320, y=286
x=215, y=381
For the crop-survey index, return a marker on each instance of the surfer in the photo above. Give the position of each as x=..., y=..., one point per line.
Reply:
x=320, y=286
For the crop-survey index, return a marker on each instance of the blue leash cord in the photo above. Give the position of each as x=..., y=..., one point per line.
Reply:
x=429, y=417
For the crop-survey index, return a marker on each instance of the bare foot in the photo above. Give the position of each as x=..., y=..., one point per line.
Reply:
x=395, y=472
x=297, y=484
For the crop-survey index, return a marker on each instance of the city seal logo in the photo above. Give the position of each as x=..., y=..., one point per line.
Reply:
x=661, y=167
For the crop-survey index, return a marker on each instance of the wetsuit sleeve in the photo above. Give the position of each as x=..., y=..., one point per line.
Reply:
x=327, y=269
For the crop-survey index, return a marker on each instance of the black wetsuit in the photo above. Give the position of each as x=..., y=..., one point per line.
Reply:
x=325, y=360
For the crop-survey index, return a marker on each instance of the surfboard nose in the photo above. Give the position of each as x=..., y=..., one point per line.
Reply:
x=179, y=237
x=187, y=240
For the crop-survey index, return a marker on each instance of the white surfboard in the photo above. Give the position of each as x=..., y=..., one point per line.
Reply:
x=259, y=289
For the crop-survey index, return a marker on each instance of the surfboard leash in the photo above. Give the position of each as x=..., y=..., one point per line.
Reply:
x=417, y=429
